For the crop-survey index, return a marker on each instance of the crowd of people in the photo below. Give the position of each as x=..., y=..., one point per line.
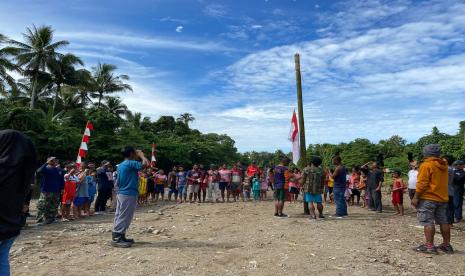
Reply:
x=435, y=187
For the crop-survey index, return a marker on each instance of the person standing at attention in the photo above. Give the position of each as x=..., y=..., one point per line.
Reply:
x=412, y=179
x=172, y=184
x=339, y=189
x=53, y=182
x=281, y=176
x=431, y=199
x=127, y=194
x=225, y=182
x=459, y=182
x=374, y=183
x=17, y=165
x=398, y=192
x=104, y=187
x=312, y=183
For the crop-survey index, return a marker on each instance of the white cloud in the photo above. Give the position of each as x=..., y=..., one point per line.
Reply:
x=142, y=41
x=372, y=83
x=215, y=10
x=179, y=29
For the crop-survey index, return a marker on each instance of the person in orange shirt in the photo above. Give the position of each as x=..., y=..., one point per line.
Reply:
x=431, y=199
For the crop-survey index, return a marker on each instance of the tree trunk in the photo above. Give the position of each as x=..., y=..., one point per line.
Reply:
x=100, y=96
x=33, y=92
x=56, y=98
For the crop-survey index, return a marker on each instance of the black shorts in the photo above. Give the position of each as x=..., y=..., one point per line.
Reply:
x=294, y=190
x=355, y=192
x=223, y=185
x=411, y=193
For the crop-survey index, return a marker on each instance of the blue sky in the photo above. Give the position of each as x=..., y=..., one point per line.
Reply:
x=370, y=68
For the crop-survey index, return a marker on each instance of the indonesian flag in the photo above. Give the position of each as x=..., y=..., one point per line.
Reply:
x=83, y=148
x=153, y=161
x=294, y=138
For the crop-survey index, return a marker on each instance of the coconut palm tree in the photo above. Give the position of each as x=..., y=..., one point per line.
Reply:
x=115, y=106
x=105, y=81
x=6, y=66
x=186, y=118
x=134, y=119
x=62, y=72
x=37, y=51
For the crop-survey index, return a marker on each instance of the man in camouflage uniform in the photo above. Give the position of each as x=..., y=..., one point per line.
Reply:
x=312, y=185
x=50, y=191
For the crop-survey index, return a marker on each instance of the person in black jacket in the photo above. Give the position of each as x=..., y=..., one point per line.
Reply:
x=459, y=182
x=17, y=166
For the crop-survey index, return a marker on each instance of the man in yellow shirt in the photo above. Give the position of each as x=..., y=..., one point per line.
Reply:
x=430, y=200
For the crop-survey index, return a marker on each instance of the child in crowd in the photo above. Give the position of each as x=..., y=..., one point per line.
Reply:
x=354, y=181
x=142, y=199
x=398, y=192
x=172, y=185
x=263, y=186
x=294, y=187
x=92, y=184
x=81, y=196
x=160, y=182
x=150, y=185
x=71, y=180
x=181, y=184
x=213, y=183
x=246, y=188
x=329, y=187
x=362, y=187
x=256, y=183
x=236, y=179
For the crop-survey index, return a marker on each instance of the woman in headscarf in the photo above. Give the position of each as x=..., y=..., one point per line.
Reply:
x=17, y=166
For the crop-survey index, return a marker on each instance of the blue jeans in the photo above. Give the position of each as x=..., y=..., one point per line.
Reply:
x=340, y=200
x=4, y=254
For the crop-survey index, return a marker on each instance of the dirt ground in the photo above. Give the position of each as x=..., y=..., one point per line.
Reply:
x=235, y=239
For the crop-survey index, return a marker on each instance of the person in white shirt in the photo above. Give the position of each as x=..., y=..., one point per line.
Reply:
x=412, y=179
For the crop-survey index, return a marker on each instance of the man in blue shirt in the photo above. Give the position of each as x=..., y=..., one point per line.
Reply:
x=128, y=191
x=51, y=186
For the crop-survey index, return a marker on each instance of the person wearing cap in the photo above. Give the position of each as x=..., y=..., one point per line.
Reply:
x=431, y=199
x=104, y=188
x=51, y=186
x=458, y=185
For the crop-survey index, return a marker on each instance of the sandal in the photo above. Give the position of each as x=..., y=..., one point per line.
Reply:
x=427, y=250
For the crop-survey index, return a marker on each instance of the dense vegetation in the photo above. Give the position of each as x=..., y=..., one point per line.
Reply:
x=57, y=94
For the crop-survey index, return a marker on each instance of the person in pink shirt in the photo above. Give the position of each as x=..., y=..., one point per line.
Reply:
x=354, y=181
x=225, y=180
x=294, y=186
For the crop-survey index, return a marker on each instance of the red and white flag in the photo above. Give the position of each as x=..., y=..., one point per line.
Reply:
x=83, y=148
x=153, y=161
x=294, y=138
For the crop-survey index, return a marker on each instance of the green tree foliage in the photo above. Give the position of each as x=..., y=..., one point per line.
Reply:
x=55, y=100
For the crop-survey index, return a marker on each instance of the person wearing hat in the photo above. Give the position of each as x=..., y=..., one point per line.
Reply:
x=431, y=199
x=458, y=185
x=104, y=188
x=51, y=186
